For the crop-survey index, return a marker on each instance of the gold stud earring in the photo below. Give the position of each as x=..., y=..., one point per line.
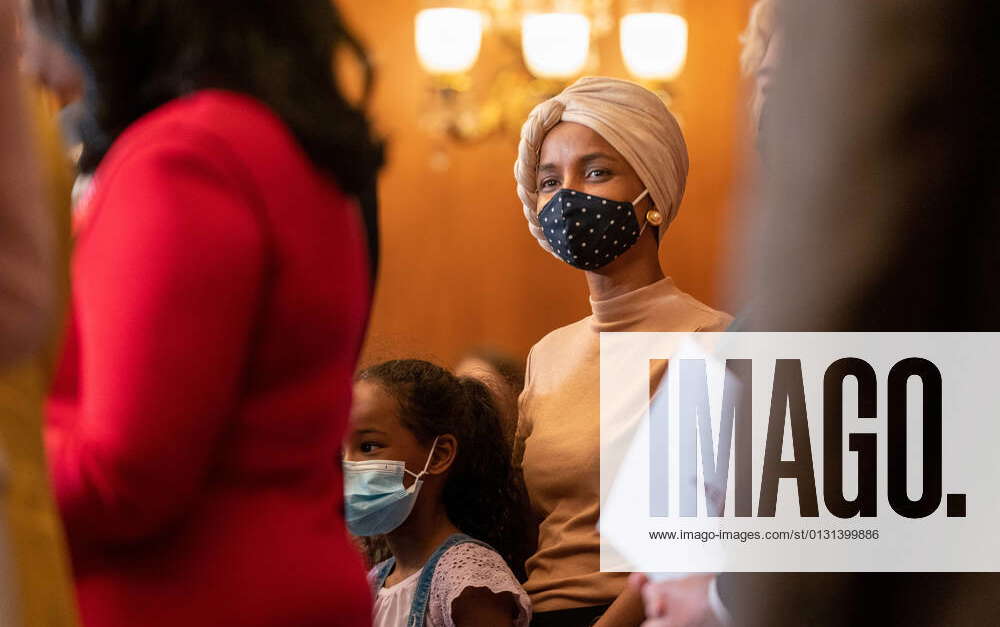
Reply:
x=654, y=217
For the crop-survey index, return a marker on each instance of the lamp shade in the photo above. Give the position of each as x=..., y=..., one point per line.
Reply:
x=448, y=39
x=555, y=45
x=654, y=45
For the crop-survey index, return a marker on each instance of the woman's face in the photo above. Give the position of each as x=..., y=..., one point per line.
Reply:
x=575, y=157
x=377, y=433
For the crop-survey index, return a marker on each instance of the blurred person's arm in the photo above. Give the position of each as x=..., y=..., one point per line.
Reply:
x=166, y=299
x=26, y=238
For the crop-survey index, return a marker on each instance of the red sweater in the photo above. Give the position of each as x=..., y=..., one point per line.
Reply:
x=220, y=291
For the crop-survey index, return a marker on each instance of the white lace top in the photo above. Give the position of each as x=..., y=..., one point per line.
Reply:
x=463, y=566
x=392, y=603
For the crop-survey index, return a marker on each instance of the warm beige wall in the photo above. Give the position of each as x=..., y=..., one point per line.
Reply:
x=458, y=264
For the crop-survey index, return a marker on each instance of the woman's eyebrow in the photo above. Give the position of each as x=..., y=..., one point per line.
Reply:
x=594, y=156
x=587, y=158
x=368, y=431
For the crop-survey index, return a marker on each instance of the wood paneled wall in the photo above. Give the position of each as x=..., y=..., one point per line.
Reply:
x=459, y=267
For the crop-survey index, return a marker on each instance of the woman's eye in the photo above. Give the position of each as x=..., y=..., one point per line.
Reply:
x=370, y=447
x=598, y=173
x=548, y=184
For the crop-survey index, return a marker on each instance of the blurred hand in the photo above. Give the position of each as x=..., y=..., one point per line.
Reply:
x=676, y=603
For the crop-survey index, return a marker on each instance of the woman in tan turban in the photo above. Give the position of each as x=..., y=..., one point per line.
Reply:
x=601, y=172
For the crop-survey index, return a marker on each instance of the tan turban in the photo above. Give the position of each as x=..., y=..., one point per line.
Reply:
x=629, y=117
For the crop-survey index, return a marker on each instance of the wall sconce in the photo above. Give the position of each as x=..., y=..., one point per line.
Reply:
x=654, y=45
x=555, y=45
x=544, y=45
x=448, y=39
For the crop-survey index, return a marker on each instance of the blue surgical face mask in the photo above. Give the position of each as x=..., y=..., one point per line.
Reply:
x=375, y=499
x=588, y=231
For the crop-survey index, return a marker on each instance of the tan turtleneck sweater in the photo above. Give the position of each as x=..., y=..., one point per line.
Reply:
x=558, y=439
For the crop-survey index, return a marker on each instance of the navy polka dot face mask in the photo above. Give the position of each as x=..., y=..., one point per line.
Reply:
x=588, y=231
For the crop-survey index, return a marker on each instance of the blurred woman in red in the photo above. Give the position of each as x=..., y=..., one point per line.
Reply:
x=220, y=292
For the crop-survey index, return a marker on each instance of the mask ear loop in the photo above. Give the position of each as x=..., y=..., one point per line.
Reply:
x=635, y=203
x=416, y=477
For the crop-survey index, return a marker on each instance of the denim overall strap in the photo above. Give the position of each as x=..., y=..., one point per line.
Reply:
x=418, y=609
x=381, y=572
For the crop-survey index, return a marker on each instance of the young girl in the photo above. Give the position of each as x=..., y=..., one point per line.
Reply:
x=426, y=464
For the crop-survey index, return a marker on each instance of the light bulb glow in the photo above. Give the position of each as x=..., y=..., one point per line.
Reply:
x=654, y=45
x=448, y=40
x=555, y=45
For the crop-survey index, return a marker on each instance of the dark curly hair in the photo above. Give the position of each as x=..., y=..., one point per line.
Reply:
x=139, y=54
x=483, y=495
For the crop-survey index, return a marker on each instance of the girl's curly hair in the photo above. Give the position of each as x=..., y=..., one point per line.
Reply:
x=483, y=495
